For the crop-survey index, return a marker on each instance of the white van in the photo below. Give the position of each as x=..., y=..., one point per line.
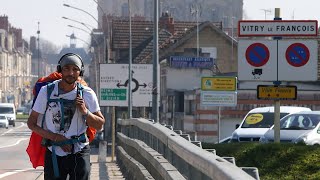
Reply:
x=8, y=109
x=258, y=121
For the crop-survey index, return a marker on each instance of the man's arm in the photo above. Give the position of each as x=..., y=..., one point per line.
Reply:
x=95, y=119
x=33, y=126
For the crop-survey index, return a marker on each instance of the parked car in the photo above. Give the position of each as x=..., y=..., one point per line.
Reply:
x=258, y=121
x=297, y=127
x=9, y=110
x=22, y=110
x=4, y=121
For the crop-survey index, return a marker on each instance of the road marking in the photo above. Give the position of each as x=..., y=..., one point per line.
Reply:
x=22, y=124
x=14, y=172
x=14, y=143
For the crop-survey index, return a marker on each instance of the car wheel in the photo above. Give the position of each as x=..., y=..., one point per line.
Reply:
x=14, y=124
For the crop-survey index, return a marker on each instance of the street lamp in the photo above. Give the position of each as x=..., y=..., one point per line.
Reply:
x=99, y=26
x=89, y=27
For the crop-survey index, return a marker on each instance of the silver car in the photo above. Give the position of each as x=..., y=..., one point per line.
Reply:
x=4, y=121
x=297, y=127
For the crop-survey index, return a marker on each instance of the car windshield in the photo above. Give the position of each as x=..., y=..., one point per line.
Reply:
x=6, y=110
x=300, y=121
x=260, y=120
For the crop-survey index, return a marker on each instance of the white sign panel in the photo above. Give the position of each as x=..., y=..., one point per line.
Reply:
x=114, y=85
x=278, y=28
x=277, y=60
x=298, y=60
x=216, y=98
x=257, y=60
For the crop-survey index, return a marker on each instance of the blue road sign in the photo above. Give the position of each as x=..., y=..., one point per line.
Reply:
x=257, y=54
x=297, y=54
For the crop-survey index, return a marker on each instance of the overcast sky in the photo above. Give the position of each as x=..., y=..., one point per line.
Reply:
x=26, y=14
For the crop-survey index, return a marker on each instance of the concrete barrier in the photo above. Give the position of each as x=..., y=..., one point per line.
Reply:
x=155, y=163
x=192, y=161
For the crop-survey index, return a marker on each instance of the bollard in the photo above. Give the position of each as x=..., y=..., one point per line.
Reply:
x=102, y=151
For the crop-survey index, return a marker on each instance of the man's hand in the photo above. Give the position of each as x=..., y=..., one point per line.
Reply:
x=60, y=138
x=81, y=105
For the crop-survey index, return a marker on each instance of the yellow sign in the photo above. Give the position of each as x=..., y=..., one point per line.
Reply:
x=254, y=118
x=277, y=92
x=219, y=83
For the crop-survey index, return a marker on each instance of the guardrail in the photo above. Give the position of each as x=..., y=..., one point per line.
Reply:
x=187, y=157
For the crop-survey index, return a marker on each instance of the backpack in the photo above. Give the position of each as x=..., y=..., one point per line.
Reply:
x=35, y=150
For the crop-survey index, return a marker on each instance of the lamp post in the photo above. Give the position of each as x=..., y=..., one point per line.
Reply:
x=89, y=27
x=38, y=41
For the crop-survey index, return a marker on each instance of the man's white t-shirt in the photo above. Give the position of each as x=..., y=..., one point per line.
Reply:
x=74, y=124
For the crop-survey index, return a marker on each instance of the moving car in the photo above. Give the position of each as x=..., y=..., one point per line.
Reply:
x=258, y=121
x=8, y=110
x=4, y=121
x=297, y=127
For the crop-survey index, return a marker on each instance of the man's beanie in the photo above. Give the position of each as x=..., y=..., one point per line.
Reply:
x=71, y=59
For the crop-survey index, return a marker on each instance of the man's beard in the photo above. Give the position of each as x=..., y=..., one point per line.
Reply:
x=69, y=79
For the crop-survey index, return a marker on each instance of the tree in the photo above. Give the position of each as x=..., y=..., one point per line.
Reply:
x=48, y=47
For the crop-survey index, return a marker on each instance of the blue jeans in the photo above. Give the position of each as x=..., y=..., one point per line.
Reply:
x=76, y=165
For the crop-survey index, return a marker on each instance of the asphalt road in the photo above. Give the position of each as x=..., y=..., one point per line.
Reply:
x=14, y=161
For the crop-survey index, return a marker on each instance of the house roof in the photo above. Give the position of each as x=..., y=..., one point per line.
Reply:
x=168, y=45
x=141, y=31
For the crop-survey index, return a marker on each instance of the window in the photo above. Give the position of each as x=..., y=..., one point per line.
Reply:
x=190, y=107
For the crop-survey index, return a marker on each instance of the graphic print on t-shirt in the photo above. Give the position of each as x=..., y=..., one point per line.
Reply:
x=55, y=109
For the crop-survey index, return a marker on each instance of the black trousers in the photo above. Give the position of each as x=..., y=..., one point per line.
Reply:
x=77, y=165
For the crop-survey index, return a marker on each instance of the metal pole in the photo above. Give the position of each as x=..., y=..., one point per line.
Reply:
x=113, y=133
x=197, y=16
x=38, y=32
x=130, y=65
x=155, y=89
x=219, y=120
x=277, y=102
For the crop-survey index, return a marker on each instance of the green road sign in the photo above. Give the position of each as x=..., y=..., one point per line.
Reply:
x=114, y=94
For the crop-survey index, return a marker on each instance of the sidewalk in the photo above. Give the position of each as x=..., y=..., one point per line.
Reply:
x=101, y=171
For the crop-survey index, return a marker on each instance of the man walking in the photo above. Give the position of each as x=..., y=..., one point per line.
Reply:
x=67, y=108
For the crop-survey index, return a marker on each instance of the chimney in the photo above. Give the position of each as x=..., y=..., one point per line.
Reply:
x=166, y=22
x=18, y=37
x=33, y=44
x=4, y=23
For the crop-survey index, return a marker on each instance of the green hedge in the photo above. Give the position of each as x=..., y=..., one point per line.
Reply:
x=275, y=160
x=22, y=116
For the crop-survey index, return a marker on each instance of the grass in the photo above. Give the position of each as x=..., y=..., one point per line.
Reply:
x=22, y=116
x=274, y=161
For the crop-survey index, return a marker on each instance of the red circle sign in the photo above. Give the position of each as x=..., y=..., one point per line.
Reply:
x=257, y=54
x=297, y=54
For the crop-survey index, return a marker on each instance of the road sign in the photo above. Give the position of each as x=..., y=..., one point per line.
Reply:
x=114, y=85
x=249, y=28
x=219, y=83
x=298, y=60
x=256, y=60
x=218, y=98
x=297, y=54
x=257, y=54
x=289, y=60
x=277, y=92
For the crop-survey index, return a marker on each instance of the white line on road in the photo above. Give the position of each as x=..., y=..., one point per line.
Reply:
x=13, y=172
x=14, y=143
x=22, y=124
